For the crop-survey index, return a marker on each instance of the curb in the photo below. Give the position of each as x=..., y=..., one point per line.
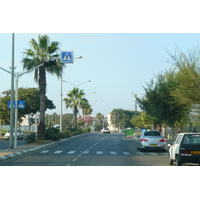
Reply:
x=19, y=153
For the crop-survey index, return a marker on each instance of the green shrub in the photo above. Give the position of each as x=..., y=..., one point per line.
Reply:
x=52, y=134
x=30, y=138
x=87, y=130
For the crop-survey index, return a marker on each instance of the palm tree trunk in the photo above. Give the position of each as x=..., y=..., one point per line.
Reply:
x=75, y=118
x=42, y=87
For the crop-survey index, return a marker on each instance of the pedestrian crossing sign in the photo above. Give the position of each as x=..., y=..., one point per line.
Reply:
x=67, y=56
x=20, y=104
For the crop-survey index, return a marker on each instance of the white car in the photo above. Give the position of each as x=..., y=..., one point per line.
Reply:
x=105, y=130
x=19, y=135
x=185, y=149
x=151, y=140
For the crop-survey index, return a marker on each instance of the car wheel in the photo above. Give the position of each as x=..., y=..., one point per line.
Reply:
x=178, y=162
x=170, y=161
x=141, y=149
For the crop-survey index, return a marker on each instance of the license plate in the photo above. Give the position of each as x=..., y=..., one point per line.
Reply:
x=154, y=145
x=195, y=152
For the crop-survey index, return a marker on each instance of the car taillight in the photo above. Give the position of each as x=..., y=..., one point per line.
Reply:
x=184, y=151
x=163, y=140
x=143, y=140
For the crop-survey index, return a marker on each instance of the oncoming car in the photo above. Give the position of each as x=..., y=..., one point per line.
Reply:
x=185, y=149
x=151, y=140
x=105, y=130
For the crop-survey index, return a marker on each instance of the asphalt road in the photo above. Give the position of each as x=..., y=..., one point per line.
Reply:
x=4, y=144
x=94, y=149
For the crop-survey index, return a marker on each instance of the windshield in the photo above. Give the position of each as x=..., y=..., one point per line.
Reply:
x=152, y=133
x=191, y=139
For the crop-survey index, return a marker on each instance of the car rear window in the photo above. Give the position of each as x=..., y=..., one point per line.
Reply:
x=191, y=139
x=152, y=133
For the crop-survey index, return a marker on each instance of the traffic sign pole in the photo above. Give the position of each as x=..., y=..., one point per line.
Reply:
x=16, y=109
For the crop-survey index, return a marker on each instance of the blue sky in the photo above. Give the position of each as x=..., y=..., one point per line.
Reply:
x=117, y=64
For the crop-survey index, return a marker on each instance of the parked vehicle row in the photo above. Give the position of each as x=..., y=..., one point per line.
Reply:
x=185, y=148
x=19, y=135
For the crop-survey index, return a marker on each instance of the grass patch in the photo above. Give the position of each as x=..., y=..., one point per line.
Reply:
x=40, y=142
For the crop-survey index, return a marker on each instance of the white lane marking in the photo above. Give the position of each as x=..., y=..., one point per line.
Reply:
x=58, y=151
x=113, y=153
x=126, y=153
x=71, y=152
x=99, y=152
x=44, y=151
x=74, y=159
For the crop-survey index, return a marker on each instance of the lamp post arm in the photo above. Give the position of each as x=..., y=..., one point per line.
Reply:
x=22, y=73
x=5, y=70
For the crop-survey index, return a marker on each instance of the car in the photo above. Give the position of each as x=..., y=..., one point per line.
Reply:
x=185, y=149
x=105, y=130
x=151, y=140
x=19, y=134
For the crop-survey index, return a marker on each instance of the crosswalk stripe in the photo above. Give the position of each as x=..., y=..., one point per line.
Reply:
x=58, y=151
x=126, y=153
x=71, y=152
x=44, y=151
x=111, y=153
x=85, y=152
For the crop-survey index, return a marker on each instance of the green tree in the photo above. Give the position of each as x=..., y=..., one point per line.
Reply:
x=74, y=101
x=41, y=51
x=32, y=99
x=142, y=120
x=85, y=106
x=121, y=118
x=160, y=104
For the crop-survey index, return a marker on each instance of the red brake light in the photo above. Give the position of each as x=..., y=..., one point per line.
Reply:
x=163, y=140
x=184, y=151
x=143, y=140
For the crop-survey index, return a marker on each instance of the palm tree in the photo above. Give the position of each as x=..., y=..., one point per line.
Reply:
x=39, y=52
x=86, y=107
x=74, y=100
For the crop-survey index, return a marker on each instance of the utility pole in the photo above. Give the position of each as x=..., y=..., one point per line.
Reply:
x=11, y=142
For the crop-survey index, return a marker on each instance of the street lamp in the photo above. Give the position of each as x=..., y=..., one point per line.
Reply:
x=76, y=86
x=61, y=95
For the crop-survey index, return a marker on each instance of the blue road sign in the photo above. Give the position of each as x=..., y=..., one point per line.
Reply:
x=67, y=56
x=21, y=104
